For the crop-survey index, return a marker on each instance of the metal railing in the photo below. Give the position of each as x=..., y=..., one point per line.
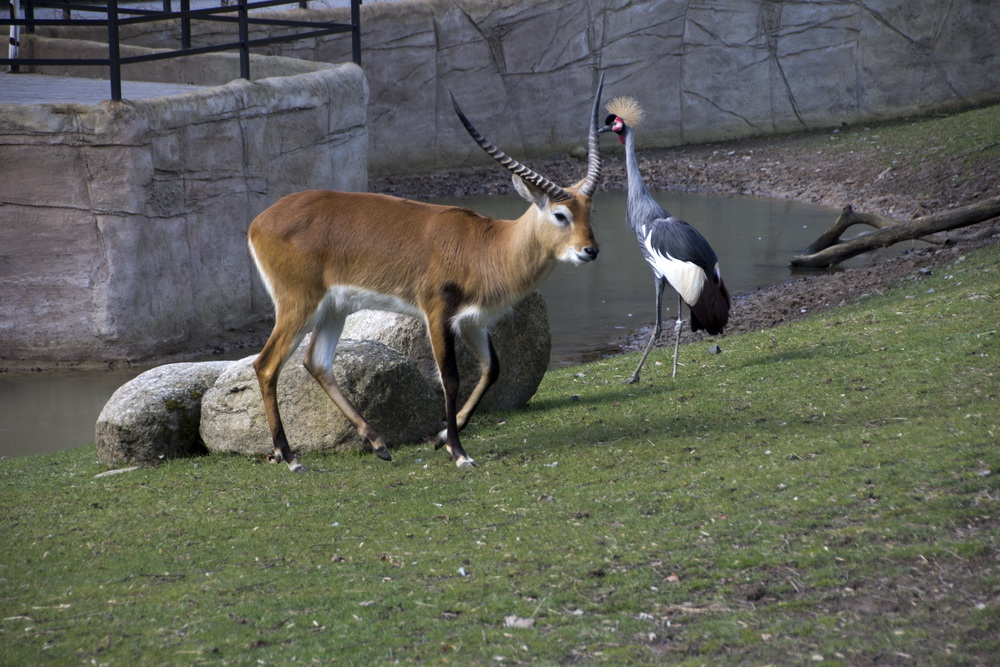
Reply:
x=117, y=17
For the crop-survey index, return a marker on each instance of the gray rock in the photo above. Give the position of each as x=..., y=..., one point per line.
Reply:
x=156, y=415
x=151, y=200
x=384, y=385
x=521, y=338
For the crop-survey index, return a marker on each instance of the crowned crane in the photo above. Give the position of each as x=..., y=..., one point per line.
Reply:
x=676, y=251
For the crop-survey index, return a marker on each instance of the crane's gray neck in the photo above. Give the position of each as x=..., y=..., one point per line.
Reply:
x=641, y=206
x=636, y=187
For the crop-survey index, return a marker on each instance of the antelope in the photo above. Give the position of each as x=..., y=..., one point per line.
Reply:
x=323, y=255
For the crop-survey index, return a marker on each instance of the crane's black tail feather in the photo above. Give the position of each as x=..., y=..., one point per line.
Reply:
x=711, y=312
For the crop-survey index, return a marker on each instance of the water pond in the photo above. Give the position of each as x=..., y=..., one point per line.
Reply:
x=590, y=307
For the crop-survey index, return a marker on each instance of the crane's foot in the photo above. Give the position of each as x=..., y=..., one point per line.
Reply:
x=632, y=380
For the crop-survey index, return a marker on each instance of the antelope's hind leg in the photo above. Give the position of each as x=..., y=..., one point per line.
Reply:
x=481, y=344
x=319, y=363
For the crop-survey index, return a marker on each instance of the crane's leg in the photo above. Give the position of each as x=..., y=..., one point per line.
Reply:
x=656, y=331
x=677, y=331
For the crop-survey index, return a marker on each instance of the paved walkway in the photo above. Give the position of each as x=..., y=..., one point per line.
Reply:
x=44, y=89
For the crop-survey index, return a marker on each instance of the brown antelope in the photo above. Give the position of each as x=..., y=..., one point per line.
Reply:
x=323, y=255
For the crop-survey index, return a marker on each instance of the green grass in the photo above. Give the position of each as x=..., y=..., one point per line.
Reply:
x=971, y=138
x=829, y=488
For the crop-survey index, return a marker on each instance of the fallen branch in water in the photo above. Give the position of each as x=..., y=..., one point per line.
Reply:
x=828, y=249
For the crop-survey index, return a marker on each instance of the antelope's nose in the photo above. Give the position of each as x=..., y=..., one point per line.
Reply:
x=591, y=252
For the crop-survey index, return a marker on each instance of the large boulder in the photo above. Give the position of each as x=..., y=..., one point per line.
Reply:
x=156, y=415
x=521, y=338
x=389, y=374
x=384, y=385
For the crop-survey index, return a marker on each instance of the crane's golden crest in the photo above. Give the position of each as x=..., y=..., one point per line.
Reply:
x=628, y=109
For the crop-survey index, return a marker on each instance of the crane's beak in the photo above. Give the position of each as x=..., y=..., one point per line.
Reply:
x=611, y=128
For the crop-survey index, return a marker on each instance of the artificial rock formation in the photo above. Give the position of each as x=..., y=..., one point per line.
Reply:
x=192, y=408
x=156, y=416
x=384, y=385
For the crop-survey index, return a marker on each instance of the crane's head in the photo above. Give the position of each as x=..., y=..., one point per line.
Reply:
x=624, y=112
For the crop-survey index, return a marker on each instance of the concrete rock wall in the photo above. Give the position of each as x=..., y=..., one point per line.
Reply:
x=123, y=225
x=524, y=70
x=704, y=70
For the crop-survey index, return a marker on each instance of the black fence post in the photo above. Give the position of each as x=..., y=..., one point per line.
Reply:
x=185, y=24
x=15, y=37
x=113, y=52
x=29, y=16
x=356, y=30
x=244, y=41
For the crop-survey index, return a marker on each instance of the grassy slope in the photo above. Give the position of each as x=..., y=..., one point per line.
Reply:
x=970, y=136
x=829, y=488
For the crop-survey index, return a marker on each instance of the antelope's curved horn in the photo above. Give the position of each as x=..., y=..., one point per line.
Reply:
x=593, y=147
x=554, y=192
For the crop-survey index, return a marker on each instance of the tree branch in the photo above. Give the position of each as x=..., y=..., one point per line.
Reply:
x=828, y=249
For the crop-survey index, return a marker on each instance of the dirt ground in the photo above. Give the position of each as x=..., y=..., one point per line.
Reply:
x=789, y=166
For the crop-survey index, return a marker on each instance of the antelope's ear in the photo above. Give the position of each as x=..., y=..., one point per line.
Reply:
x=529, y=192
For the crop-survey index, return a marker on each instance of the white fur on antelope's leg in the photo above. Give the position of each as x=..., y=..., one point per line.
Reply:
x=293, y=465
x=462, y=460
x=465, y=462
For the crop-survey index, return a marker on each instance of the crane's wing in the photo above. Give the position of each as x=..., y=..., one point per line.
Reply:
x=681, y=255
x=674, y=238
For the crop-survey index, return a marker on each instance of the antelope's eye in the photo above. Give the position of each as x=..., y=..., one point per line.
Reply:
x=561, y=218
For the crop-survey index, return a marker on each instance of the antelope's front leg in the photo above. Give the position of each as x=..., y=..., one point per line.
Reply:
x=443, y=345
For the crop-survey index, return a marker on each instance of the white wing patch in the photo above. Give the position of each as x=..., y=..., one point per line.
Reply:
x=685, y=277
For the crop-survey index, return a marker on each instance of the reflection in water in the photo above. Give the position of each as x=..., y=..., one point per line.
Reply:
x=589, y=306
x=49, y=412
